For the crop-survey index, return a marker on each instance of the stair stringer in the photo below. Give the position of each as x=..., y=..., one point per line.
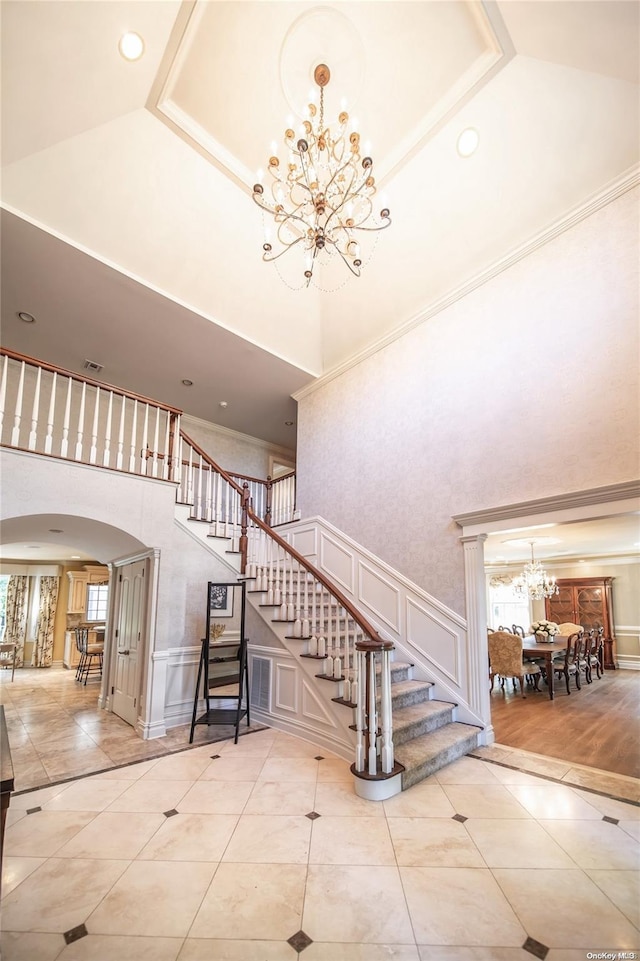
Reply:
x=335, y=734
x=221, y=547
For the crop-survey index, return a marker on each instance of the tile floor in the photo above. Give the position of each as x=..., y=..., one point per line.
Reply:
x=209, y=854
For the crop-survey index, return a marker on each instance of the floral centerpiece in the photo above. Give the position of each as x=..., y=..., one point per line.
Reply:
x=544, y=630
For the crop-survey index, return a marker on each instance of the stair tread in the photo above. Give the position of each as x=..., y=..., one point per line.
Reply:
x=415, y=712
x=415, y=752
x=402, y=687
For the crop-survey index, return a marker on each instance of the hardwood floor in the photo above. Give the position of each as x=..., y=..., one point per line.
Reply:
x=598, y=725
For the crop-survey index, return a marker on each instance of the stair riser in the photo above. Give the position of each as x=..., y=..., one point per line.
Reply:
x=431, y=765
x=424, y=726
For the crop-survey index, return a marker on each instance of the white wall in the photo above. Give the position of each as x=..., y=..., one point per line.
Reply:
x=142, y=508
x=525, y=388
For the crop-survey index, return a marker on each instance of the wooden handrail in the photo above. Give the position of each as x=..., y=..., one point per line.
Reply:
x=34, y=362
x=374, y=643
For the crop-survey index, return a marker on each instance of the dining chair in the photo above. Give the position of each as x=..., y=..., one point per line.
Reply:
x=8, y=656
x=566, y=629
x=516, y=629
x=594, y=643
x=505, y=660
x=569, y=665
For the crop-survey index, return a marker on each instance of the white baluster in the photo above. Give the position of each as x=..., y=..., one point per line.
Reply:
x=120, y=453
x=93, y=453
x=80, y=433
x=337, y=668
x=33, y=433
x=328, y=666
x=167, y=441
x=106, y=456
x=64, y=444
x=386, y=718
x=322, y=647
x=358, y=697
x=48, y=441
x=15, y=434
x=277, y=599
x=134, y=431
x=313, y=645
x=373, y=721
x=144, y=460
x=156, y=438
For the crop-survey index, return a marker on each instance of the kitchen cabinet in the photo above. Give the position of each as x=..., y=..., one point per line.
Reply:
x=78, y=581
x=587, y=601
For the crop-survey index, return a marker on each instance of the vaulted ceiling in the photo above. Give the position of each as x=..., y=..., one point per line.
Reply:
x=128, y=229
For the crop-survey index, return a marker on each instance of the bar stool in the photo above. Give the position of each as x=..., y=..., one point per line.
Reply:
x=88, y=654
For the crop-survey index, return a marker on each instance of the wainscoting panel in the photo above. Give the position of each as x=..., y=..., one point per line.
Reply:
x=304, y=541
x=312, y=708
x=438, y=644
x=286, y=695
x=380, y=595
x=337, y=562
x=182, y=673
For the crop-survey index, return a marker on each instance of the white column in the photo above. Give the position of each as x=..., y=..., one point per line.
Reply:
x=477, y=648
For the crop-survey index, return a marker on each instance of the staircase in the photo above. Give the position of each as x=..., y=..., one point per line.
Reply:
x=425, y=734
x=414, y=734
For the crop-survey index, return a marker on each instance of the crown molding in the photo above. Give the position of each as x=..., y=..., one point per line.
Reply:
x=264, y=445
x=616, y=188
x=614, y=493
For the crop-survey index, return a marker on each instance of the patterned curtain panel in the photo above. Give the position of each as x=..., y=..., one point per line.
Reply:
x=43, y=651
x=16, y=627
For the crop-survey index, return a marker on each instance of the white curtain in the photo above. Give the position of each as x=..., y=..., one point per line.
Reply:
x=43, y=650
x=17, y=602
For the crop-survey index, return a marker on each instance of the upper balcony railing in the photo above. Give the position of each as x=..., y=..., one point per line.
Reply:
x=56, y=412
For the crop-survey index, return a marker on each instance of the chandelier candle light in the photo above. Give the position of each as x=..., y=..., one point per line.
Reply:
x=321, y=197
x=534, y=582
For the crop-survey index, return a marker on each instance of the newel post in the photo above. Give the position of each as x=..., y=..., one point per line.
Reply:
x=267, y=510
x=244, y=525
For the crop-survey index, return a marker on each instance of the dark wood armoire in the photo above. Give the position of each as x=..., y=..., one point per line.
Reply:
x=587, y=601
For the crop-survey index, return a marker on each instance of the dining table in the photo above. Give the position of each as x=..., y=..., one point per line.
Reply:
x=531, y=647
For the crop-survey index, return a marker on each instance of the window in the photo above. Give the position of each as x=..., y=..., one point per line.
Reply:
x=97, y=597
x=507, y=608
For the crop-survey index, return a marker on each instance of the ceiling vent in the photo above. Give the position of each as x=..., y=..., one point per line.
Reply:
x=92, y=366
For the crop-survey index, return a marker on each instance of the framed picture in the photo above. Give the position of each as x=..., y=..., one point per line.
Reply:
x=220, y=600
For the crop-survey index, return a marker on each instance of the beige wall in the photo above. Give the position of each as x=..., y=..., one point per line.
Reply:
x=525, y=388
x=232, y=451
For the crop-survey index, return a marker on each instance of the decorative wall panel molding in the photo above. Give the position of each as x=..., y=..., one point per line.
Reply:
x=435, y=641
x=312, y=707
x=380, y=595
x=305, y=541
x=286, y=687
x=337, y=562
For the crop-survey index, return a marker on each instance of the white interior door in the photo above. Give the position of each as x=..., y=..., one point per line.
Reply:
x=129, y=634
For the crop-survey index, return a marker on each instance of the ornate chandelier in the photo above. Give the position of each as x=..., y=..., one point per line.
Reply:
x=534, y=582
x=321, y=196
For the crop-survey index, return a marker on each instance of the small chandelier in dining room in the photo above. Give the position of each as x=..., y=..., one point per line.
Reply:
x=321, y=194
x=534, y=582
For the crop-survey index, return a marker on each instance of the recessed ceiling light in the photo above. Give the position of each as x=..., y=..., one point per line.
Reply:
x=75, y=557
x=187, y=383
x=468, y=142
x=25, y=317
x=223, y=404
x=131, y=46
x=288, y=423
x=55, y=530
